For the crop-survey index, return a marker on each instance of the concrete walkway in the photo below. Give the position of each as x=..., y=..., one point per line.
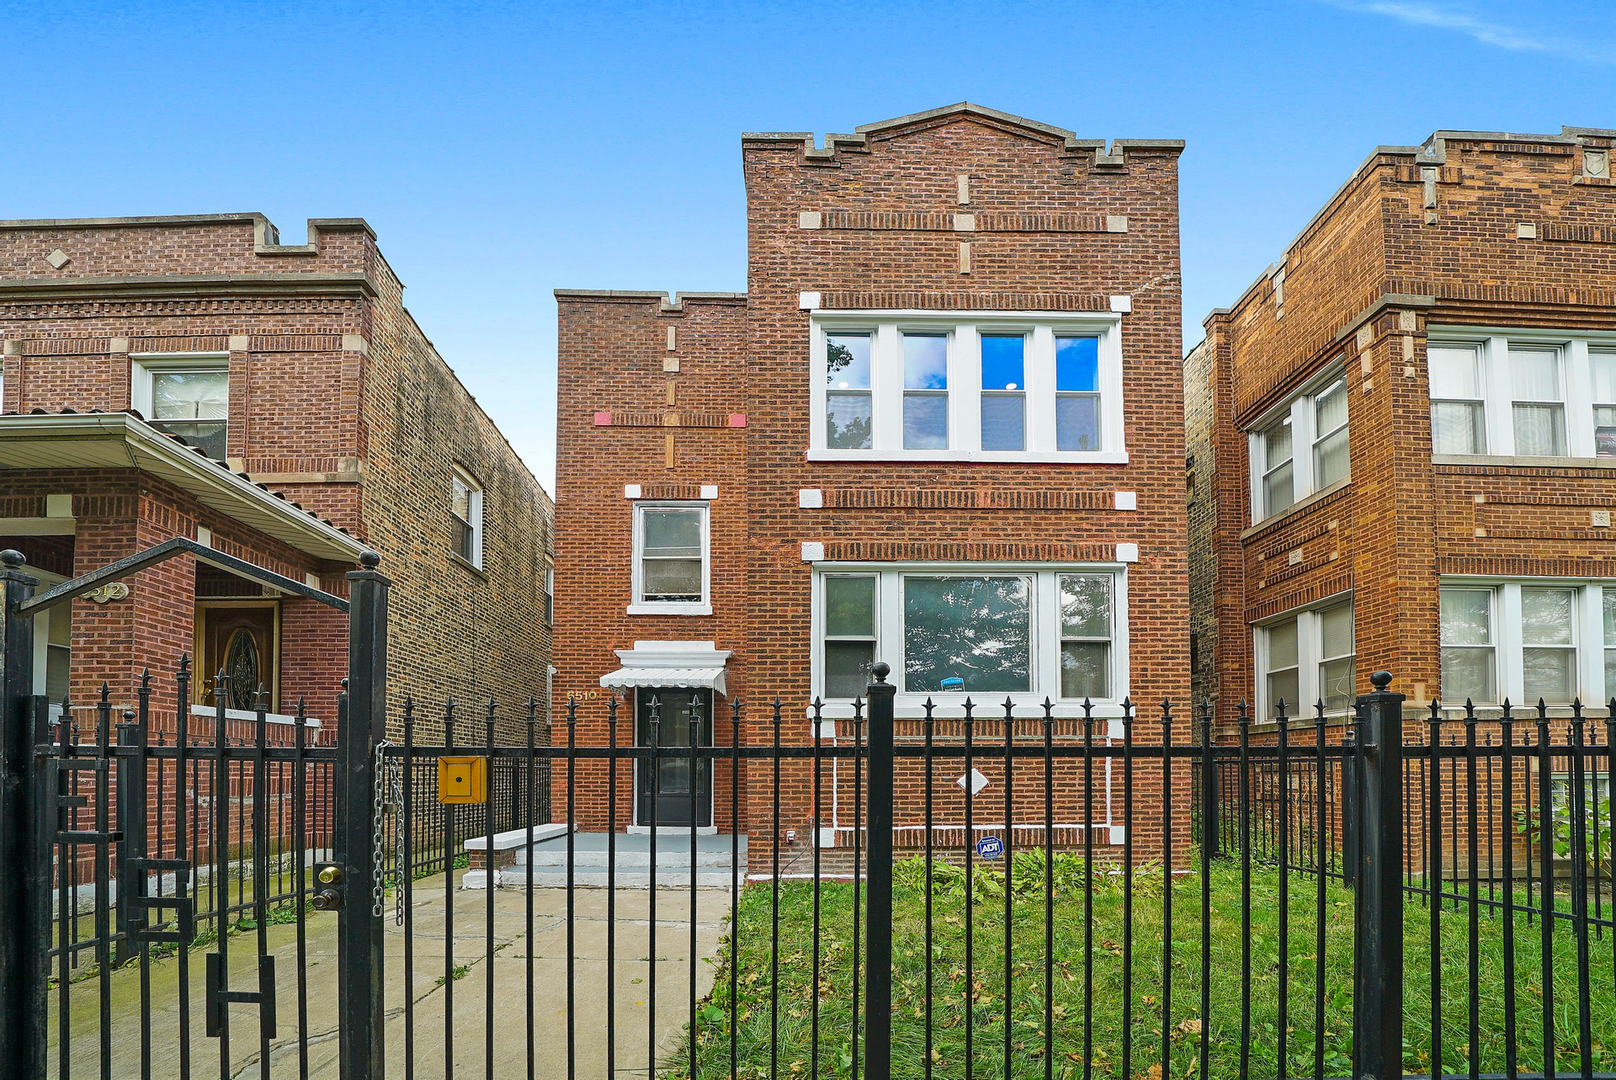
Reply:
x=433, y=1026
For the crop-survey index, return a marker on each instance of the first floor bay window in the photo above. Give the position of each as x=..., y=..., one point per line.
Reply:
x=989, y=632
x=1546, y=640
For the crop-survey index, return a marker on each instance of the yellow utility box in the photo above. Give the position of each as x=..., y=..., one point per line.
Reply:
x=462, y=780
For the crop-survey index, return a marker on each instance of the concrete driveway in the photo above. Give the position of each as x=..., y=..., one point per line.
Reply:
x=424, y=984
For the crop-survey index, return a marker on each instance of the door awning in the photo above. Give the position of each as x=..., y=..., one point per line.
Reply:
x=669, y=663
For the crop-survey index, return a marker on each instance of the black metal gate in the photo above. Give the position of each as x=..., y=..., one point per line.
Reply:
x=1069, y=891
x=135, y=846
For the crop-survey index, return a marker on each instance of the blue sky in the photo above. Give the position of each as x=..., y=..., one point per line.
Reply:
x=502, y=150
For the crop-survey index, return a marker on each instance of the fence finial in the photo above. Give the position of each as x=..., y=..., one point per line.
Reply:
x=12, y=558
x=881, y=670
x=1381, y=680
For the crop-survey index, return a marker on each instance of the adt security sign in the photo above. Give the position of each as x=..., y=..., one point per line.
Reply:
x=990, y=847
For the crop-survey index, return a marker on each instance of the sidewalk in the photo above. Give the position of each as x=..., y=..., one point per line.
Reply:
x=511, y=946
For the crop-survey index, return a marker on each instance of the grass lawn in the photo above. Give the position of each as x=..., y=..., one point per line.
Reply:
x=1026, y=1010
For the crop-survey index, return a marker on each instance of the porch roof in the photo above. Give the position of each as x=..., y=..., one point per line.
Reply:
x=118, y=440
x=669, y=663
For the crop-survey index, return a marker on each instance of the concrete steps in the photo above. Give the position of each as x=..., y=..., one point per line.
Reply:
x=635, y=852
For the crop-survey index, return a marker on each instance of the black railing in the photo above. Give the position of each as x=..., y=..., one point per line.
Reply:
x=1071, y=890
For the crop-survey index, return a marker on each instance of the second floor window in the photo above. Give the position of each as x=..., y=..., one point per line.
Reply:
x=992, y=386
x=1300, y=448
x=185, y=396
x=1524, y=393
x=670, y=559
x=466, y=517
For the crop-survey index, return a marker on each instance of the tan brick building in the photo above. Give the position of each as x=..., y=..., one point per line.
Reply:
x=194, y=377
x=941, y=429
x=1402, y=438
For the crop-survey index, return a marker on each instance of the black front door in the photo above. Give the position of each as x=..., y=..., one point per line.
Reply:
x=683, y=796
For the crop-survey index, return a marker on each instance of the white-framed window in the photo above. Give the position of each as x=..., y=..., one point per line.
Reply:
x=1549, y=639
x=466, y=517
x=671, y=566
x=1300, y=447
x=1304, y=657
x=1602, y=379
x=1610, y=645
x=1013, y=631
x=1458, y=420
x=948, y=386
x=1522, y=393
x=187, y=395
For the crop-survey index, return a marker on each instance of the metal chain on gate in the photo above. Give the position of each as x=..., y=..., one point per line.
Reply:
x=378, y=828
x=395, y=790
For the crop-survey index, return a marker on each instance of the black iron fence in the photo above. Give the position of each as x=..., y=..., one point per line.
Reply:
x=974, y=891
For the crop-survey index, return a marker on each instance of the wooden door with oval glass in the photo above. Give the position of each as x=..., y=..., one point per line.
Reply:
x=242, y=639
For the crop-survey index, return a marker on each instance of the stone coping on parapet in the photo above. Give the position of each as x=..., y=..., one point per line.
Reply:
x=266, y=237
x=859, y=140
x=665, y=302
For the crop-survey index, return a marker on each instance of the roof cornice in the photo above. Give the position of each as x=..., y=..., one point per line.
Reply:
x=351, y=286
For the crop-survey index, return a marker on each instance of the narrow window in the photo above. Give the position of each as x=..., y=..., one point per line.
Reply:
x=1469, y=663
x=1549, y=647
x=925, y=391
x=1602, y=370
x=466, y=517
x=848, y=405
x=1336, y=659
x=549, y=597
x=1085, y=635
x=1283, y=678
x=977, y=629
x=672, y=561
x=1539, y=407
x=1278, y=476
x=193, y=403
x=1610, y=643
x=1077, y=393
x=850, y=639
x=1330, y=459
x=1004, y=392
x=1457, y=424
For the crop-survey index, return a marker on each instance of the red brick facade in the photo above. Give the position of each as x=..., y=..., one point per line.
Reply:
x=947, y=215
x=337, y=403
x=1494, y=242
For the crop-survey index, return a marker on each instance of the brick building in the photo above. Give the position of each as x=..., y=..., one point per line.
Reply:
x=1402, y=438
x=194, y=377
x=942, y=429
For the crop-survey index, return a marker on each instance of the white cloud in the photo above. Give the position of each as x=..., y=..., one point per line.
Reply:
x=1459, y=20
